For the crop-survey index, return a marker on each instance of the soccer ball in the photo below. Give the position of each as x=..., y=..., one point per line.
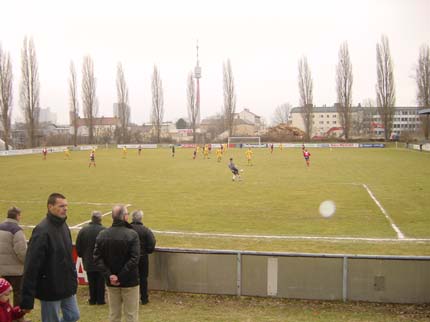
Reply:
x=327, y=208
x=234, y=177
x=241, y=170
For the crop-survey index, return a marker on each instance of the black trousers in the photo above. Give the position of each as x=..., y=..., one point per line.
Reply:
x=143, y=277
x=97, y=288
x=15, y=281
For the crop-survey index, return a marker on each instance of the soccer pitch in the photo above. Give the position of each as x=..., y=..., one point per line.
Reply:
x=381, y=197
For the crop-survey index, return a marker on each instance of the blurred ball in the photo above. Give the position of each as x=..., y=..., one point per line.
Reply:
x=327, y=208
x=241, y=170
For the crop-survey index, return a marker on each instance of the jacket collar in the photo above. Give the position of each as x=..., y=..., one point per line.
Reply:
x=57, y=221
x=12, y=221
x=120, y=223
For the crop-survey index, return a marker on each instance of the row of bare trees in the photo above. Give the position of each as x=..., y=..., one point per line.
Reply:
x=385, y=88
x=30, y=88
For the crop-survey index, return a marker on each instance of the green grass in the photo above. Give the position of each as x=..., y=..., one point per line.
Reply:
x=178, y=307
x=278, y=195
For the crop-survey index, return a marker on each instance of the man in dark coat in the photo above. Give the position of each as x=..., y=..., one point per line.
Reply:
x=85, y=242
x=117, y=254
x=147, y=245
x=49, y=270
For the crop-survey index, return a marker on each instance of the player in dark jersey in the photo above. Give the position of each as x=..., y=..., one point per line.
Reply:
x=234, y=170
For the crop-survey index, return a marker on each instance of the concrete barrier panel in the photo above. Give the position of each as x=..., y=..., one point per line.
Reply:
x=398, y=281
x=310, y=278
x=195, y=273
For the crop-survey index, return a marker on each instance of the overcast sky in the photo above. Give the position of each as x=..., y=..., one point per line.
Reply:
x=264, y=39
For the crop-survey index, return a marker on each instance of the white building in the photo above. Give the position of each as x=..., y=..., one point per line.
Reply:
x=326, y=120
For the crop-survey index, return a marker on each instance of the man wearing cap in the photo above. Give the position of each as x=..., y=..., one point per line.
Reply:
x=13, y=248
x=85, y=243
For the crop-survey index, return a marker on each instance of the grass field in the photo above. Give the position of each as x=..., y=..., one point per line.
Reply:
x=278, y=196
x=180, y=307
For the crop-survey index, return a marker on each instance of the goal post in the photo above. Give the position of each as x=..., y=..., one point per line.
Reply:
x=243, y=140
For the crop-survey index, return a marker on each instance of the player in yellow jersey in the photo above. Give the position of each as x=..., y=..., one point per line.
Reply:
x=218, y=154
x=206, y=152
x=249, y=154
x=67, y=154
x=124, y=152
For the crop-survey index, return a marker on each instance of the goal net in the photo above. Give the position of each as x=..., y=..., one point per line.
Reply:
x=244, y=141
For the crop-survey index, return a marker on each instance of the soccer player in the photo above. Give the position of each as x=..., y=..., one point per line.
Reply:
x=92, y=159
x=219, y=154
x=67, y=154
x=173, y=150
x=139, y=150
x=44, y=152
x=206, y=152
x=195, y=153
x=124, y=152
x=234, y=170
x=306, y=155
x=271, y=148
x=249, y=154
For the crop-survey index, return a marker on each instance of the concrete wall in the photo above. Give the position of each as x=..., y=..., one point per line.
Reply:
x=393, y=279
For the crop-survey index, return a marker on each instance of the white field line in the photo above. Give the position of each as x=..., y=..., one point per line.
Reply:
x=78, y=226
x=400, y=235
x=70, y=202
x=286, y=237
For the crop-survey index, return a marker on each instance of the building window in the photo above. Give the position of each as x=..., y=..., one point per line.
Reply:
x=328, y=122
x=321, y=116
x=334, y=122
x=334, y=116
x=321, y=122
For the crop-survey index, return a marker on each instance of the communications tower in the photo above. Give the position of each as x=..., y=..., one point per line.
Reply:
x=197, y=76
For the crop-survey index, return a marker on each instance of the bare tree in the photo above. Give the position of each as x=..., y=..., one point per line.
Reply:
x=193, y=109
x=423, y=83
x=229, y=97
x=123, y=107
x=89, y=99
x=74, y=105
x=6, y=95
x=157, y=103
x=385, y=88
x=306, y=95
x=344, y=80
x=29, y=89
x=281, y=114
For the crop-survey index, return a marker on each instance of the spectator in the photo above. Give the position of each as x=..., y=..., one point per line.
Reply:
x=147, y=245
x=7, y=312
x=85, y=243
x=117, y=254
x=13, y=248
x=49, y=270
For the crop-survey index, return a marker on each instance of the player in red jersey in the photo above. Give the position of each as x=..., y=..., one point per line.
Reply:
x=92, y=159
x=44, y=152
x=306, y=155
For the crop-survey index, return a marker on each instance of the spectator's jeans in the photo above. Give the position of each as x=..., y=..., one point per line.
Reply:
x=68, y=306
x=126, y=298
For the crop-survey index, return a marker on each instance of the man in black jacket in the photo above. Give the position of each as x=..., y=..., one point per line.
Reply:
x=85, y=243
x=147, y=245
x=49, y=271
x=117, y=254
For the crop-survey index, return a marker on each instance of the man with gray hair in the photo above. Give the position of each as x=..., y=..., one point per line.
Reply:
x=147, y=245
x=13, y=248
x=85, y=243
x=117, y=254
